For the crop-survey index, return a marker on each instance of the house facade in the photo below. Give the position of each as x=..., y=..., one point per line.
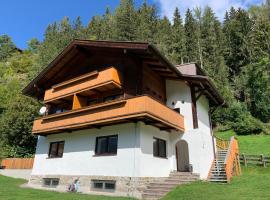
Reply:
x=119, y=116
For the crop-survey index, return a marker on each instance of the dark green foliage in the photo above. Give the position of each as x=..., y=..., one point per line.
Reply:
x=191, y=35
x=258, y=84
x=16, y=126
x=240, y=120
x=164, y=33
x=125, y=21
x=178, y=39
x=7, y=47
x=147, y=23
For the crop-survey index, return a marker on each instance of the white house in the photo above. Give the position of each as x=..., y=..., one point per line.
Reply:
x=119, y=116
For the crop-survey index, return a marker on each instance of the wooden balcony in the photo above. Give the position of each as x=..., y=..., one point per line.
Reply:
x=92, y=82
x=142, y=108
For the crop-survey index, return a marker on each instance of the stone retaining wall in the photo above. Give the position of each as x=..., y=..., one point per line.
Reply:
x=125, y=186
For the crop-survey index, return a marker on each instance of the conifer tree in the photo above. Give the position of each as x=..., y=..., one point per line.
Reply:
x=191, y=37
x=147, y=23
x=178, y=39
x=164, y=36
x=125, y=21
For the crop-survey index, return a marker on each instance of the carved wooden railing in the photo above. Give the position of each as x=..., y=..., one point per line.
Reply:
x=221, y=143
x=232, y=164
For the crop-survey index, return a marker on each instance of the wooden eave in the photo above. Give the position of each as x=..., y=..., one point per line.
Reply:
x=207, y=87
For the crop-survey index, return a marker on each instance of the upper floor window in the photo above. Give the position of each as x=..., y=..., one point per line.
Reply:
x=106, y=145
x=159, y=148
x=56, y=149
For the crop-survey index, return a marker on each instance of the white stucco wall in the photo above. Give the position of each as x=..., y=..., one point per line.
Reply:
x=134, y=154
x=78, y=157
x=135, y=145
x=201, y=152
x=151, y=166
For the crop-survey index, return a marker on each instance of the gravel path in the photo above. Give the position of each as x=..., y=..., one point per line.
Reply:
x=16, y=173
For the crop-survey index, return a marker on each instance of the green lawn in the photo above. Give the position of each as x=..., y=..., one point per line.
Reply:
x=10, y=190
x=250, y=144
x=253, y=185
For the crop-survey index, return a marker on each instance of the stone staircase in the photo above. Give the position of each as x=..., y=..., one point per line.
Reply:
x=160, y=189
x=218, y=173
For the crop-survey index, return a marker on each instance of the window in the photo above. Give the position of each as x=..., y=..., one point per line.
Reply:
x=50, y=182
x=106, y=145
x=56, y=149
x=91, y=102
x=112, y=97
x=103, y=185
x=159, y=148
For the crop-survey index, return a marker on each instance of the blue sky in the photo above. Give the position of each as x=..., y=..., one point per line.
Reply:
x=26, y=19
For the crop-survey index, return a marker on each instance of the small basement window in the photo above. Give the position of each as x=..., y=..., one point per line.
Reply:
x=103, y=185
x=56, y=149
x=159, y=148
x=50, y=182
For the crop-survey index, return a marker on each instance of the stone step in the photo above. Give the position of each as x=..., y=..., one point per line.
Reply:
x=162, y=186
x=182, y=178
x=157, y=190
x=219, y=180
x=218, y=172
x=151, y=196
x=218, y=177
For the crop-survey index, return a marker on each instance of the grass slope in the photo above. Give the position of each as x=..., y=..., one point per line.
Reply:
x=10, y=190
x=252, y=185
x=250, y=144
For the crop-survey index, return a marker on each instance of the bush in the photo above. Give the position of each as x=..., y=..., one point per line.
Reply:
x=249, y=125
x=238, y=118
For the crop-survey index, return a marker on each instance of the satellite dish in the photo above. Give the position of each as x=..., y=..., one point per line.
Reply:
x=42, y=110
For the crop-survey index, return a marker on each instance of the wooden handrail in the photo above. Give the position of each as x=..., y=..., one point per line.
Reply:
x=221, y=143
x=231, y=162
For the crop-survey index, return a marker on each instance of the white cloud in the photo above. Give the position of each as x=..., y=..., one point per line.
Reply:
x=167, y=7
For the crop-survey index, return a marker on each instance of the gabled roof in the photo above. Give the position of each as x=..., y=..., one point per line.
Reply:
x=79, y=49
x=137, y=49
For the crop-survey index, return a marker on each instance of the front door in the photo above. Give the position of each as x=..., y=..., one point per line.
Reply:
x=182, y=156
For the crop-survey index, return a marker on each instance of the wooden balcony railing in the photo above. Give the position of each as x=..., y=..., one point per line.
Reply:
x=107, y=79
x=126, y=110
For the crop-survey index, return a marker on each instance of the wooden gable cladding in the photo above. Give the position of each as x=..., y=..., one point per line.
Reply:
x=153, y=84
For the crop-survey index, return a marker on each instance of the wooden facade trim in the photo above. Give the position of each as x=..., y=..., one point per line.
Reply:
x=194, y=106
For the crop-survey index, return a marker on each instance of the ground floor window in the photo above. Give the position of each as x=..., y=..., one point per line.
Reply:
x=56, y=149
x=106, y=145
x=51, y=182
x=159, y=148
x=103, y=185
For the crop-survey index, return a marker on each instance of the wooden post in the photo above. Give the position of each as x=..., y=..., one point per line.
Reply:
x=239, y=165
x=263, y=160
x=245, y=160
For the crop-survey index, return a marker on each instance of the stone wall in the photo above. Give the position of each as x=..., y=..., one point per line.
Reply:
x=125, y=186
